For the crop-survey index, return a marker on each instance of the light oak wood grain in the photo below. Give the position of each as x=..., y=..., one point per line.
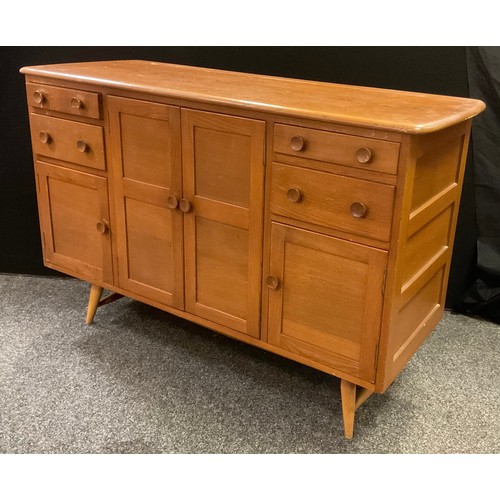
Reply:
x=385, y=109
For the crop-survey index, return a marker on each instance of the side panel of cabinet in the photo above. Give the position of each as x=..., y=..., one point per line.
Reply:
x=223, y=179
x=71, y=205
x=146, y=170
x=327, y=299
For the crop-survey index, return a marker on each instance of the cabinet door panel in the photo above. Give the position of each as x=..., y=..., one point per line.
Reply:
x=223, y=178
x=71, y=205
x=146, y=170
x=149, y=241
x=329, y=299
x=222, y=277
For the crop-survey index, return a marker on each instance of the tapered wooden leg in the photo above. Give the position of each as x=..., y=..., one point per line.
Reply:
x=94, y=298
x=348, y=393
x=351, y=401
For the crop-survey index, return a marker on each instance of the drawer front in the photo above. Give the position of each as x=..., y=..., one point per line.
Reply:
x=71, y=101
x=353, y=151
x=68, y=140
x=333, y=201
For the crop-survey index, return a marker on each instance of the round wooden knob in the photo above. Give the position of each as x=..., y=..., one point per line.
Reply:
x=76, y=103
x=82, y=146
x=297, y=143
x=184, y=205
x=364, y=155
x=358, y=210
x=272, y=282
x=38, y=97
x=102, y=227
x=44, y=137
x=172, y=202
x=294, y=195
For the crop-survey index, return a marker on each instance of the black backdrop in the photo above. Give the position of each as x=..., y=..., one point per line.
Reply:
x=440, y=70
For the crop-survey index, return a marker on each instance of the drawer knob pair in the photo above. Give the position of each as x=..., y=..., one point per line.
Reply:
x=46, y=138
x=184, y=205
x=358, y=210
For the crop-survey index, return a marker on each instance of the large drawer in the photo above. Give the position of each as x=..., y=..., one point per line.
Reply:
x=342, y=149
x=67, y=140
x=333, y=201
x=63, y=100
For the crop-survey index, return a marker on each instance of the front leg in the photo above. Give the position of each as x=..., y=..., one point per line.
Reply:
x=350, y=403
x=94, y=298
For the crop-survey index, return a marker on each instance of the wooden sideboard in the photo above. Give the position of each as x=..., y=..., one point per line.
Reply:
x=310, y=219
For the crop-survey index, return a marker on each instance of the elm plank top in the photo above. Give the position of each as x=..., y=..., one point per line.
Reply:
x=394, y=110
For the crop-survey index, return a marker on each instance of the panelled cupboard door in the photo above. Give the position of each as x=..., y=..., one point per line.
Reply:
x=325, y=299
x=74, y=219
x=223, y=181
x=146, y=176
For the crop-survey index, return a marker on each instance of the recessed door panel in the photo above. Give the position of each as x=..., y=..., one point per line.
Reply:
x=149, y=241
x=222, y=262
x=223, y=161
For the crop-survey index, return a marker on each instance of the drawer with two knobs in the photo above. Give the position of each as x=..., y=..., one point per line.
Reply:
x=341, y=149
x=64, y=100
x=67, y=140
x=347, y=204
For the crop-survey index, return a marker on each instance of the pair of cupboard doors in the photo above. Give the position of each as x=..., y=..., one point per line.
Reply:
x=187, y=188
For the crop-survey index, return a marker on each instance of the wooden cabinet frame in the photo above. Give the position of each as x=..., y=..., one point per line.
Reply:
x=310, y=219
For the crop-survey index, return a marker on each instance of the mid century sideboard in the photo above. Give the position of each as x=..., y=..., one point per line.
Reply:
x=313, y=220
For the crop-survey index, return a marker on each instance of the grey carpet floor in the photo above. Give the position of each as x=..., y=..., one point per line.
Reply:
x=140, y=380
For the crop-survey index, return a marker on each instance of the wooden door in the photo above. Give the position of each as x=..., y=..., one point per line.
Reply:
x=146, y=175
x=74, y=219
x=325, y=298
x=223, y=180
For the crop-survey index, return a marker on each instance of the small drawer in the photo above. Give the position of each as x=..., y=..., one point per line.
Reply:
x=350, y=150
x=71, y=101
x=333, y=201
x=67, y=140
